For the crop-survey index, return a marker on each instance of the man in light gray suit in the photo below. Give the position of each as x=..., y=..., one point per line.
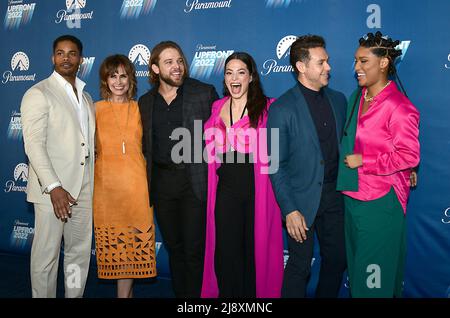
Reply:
x=58, y=120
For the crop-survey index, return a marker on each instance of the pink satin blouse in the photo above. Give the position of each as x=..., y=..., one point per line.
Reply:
x=387, y=137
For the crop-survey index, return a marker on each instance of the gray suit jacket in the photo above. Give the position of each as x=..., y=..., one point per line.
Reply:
x=298, y=182
x=54, y=143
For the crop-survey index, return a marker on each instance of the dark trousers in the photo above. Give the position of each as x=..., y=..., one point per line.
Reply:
x=181, y=220
x=329, y=226
x=234, y=256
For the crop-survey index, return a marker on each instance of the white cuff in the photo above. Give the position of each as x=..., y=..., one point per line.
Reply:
x=52, y=186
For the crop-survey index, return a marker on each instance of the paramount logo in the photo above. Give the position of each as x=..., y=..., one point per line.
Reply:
x=75, y=4
x=19, y=63
x=197, y=5
x=73, y=15
x=282, y=52
x=21, y=177
x=139, y=55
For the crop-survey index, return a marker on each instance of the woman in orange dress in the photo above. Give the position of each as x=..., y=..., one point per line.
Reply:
x=123, y=218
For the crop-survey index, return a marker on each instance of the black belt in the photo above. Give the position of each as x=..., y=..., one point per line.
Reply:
x=170, y=166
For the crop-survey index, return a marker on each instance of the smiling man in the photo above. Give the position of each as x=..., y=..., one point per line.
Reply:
x=177, y=190
x=310, y=118
x=58, y=120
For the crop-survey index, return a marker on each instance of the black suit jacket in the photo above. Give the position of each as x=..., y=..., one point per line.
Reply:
x=197, y=100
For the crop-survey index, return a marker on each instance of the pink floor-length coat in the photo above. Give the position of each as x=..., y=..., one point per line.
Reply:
x=268, y=227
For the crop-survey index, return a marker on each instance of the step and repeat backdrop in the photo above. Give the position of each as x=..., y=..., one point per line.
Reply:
x=209, y=31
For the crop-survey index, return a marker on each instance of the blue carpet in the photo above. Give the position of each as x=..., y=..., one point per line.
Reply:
x=15, y=282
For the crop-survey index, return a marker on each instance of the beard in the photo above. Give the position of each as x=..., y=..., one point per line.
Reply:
x=72, y=71
x=171, y=82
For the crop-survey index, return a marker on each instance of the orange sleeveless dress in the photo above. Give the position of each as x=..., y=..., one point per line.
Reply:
x=123, y=219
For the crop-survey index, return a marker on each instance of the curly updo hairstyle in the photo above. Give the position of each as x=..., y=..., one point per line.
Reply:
x=382, y=46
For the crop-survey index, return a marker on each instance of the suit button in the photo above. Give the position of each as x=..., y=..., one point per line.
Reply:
x=322, y=162
x=82, y=144
x=82, y=163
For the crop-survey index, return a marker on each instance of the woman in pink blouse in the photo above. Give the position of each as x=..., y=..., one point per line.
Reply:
x=244, y=245
x=379, y=149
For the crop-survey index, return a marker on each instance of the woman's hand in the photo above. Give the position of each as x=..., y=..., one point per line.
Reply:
x=353, y=161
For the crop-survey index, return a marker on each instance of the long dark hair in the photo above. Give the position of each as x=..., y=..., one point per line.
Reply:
x=256, y=100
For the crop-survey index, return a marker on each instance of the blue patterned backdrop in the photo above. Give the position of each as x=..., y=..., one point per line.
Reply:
x=208, y=31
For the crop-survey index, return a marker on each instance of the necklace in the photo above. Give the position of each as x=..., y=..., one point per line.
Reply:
x=122, y=133
x=370, y=99
x=231, y=113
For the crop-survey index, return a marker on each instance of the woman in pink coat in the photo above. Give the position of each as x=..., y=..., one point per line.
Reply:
x=379, y=149
x=244, y=246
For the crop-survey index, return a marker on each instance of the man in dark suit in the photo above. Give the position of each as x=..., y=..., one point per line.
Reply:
x=177, y=190
x=310, y=119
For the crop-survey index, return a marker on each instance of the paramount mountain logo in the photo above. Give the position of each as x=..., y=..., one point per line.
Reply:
x=18, y=13
x=282, y=51
x=73, y=15
x=19, y=63
x=15, y=126
x=21, y=172
x=20, y=177
x=139, y=55
x=208, y=61
x=133, y=9
x=75, y=4
x=86, y=67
